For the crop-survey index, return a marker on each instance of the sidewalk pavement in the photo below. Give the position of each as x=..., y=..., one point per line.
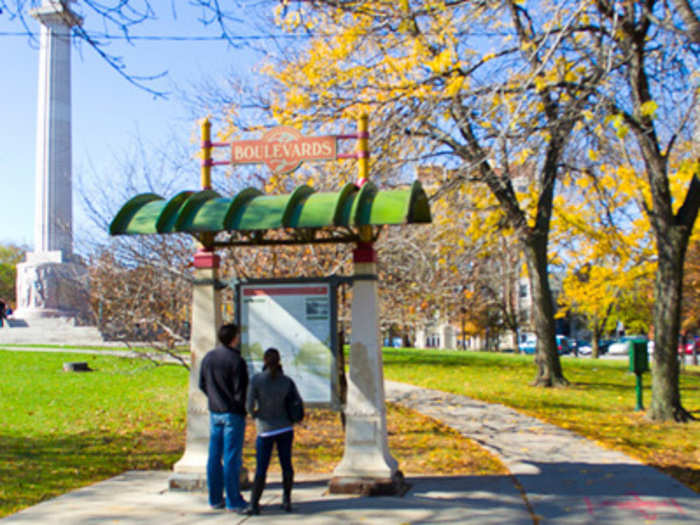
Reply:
x=565, y=477
x=557, y=477
x=142, y=498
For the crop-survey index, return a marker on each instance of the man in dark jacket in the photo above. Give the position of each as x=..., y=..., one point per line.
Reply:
x=223, y=377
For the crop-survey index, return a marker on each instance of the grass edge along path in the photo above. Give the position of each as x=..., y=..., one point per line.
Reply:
x=599, y=404
x=61, y=431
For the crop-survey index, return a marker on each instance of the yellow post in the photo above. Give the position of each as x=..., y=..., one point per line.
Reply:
x=362, y=149
x=206, y=154
x=363, y=165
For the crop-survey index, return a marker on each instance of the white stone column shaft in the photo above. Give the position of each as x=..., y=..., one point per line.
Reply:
x=366, y=448
x=53, y=228
x=206, y=319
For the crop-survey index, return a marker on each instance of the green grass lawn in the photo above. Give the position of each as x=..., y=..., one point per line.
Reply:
x=121, y=347
x=599, y=404
x=59, y=430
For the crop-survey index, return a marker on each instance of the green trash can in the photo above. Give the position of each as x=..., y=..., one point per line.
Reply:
x=639, y=363
x=639, y=356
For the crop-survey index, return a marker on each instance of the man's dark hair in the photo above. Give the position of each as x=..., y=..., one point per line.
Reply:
x=227, y=333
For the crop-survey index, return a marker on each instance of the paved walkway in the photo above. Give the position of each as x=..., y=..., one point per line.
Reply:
x=565, y=478
x=558, y=477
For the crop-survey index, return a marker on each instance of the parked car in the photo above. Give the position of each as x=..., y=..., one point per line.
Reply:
x=395, y=342
x=528, y=342
x=621, y=346
x=604, y=345
x=584, y=347
x=562, y=344
x=687, y=348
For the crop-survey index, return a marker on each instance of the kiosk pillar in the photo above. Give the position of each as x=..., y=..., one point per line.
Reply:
x=190, y=472
x=367, y=466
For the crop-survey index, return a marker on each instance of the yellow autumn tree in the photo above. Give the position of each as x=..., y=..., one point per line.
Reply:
x=481, y=88
x=604, y=239
x=653, y=126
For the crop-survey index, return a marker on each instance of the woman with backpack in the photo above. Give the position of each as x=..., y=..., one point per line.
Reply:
x=274, y=401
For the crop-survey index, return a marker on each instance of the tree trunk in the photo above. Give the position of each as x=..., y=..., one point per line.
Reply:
x=595, y=341
x=595, y=347
x=549, y=372
x=665, y=390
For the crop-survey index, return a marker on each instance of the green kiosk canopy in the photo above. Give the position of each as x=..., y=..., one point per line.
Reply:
x=303, y=216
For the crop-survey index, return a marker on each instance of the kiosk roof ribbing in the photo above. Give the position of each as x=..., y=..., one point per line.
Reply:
x=303, y=216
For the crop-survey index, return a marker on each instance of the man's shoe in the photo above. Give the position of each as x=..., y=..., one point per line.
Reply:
x=218, y=506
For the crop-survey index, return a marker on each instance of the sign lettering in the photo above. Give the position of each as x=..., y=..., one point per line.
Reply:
x=283, y=149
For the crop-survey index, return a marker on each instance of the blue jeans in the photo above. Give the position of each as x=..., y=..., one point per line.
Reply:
x=263, y=451
x=225, y=445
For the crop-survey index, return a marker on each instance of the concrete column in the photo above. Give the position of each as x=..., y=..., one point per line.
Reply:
x=50, y=283
x=53, y=224
x=367, y=466
x=190, y=472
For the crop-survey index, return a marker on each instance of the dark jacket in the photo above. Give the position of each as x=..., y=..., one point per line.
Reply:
x=223, y=377
x=266, y=401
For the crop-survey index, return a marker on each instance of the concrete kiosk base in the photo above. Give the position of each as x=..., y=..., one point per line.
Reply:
x=197, y=481
x=394, y=486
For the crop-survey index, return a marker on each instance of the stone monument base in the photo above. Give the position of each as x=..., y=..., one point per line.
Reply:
x=50, y=287
x=392, y=486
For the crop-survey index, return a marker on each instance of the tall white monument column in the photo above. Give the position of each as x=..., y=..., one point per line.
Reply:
x=53, y=224
x=367, y=466
x=51, y=283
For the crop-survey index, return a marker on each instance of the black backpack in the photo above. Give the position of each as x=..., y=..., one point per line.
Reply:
x=294, y=404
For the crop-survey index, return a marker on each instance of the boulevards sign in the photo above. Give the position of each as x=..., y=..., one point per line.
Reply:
x=283, y=149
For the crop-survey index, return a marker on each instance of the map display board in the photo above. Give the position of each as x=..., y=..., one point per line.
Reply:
x=299, y=319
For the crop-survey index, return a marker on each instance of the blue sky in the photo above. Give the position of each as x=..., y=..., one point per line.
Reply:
x=108, y=113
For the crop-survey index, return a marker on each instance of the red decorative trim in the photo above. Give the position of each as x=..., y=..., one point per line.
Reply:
x=210, y=144
x=212, y=162
x=361, y=182
x=206, y=259
x=364, y=253
x=360, y=135
x=292, y=290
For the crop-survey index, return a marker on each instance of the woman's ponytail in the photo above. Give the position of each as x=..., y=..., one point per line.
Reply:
x=271, y=361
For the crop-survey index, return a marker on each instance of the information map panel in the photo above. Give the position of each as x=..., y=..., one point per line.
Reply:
x=297, y=318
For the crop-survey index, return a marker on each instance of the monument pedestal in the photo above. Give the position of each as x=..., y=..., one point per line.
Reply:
x=50, y=287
